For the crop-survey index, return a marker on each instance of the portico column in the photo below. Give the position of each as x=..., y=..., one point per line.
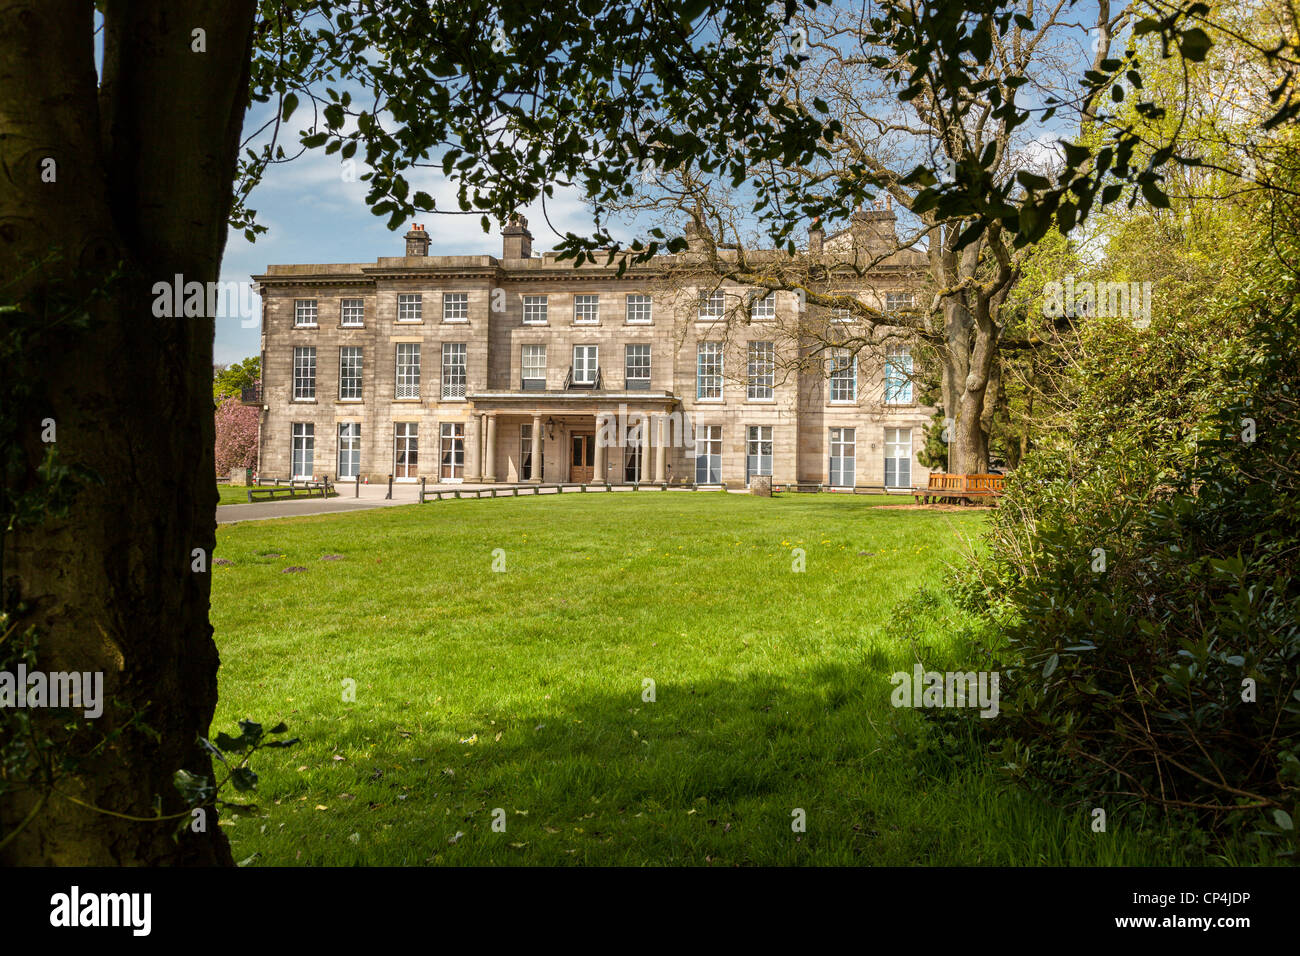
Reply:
x=490, y=452
x=537, y=449
x=476, y=459
x=598, y=457
x=661, y=452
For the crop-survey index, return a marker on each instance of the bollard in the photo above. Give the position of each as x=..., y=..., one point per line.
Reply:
x=356, y=486
x=390, y=489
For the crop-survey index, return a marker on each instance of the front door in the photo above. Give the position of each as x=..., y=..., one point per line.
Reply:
x=582, y=463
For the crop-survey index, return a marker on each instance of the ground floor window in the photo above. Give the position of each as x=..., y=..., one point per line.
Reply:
x=526, y=454
x=758, y=451
x=304, y=450
x=633, y=453
x=843, y=457
x=453, y=450
x=349, y=449
x=898, y=457
x=406, y=450
x=708, y=454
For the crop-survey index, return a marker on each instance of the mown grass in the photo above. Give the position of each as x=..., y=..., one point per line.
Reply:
x=523, y=690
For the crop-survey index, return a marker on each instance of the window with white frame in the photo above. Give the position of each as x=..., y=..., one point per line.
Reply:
x=843, y=471
x=455, y=307
x=636, y=367
x=408, y=370
x=758, y=451
x=526, y=453
x=761, y=371
x=533, y=364
x=713, y=305
x=585, y=364
x=708, y=454
x=708, y=371
x=638, y=309
x=898, y=457
x=841, y=314
x=350, y=372
x=451, y=440
x=586, y=310
x=410, y=307
x=352, y=313
x=898, y=377
x=303, y=451
x=349, y=450
x=406, y=450
x=453, y=370
x=304, y=373
x=304, y=312
x=898, y=301
x=764, y=307
x=844, y=377
x=534, y=310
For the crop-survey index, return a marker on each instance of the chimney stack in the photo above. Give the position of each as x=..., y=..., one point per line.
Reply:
x=815, y=236
x=516, y=240
x=417, y=241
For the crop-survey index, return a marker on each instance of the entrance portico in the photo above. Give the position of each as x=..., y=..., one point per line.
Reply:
x=593, y=437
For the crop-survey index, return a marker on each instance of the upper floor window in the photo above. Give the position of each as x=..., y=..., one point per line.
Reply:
x=586, y=364
x=897, y=301
x=708, y=370
x=408, y=370
x=350, y=372
x=304, y=312
x=455, y=307
x=453, y=370
x=410, y=307
x=763, y=308
x=586, y=309
x=844, y=377
x=638, y=309
x=352, y=313
x=534, y=310
x=841, y=315
x=637, y=367
x=898, y=377
x=534, y=367
x=304, y=373
x=761, y=371
x=713, y=305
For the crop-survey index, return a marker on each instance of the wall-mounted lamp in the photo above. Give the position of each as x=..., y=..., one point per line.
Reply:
x=550, y=428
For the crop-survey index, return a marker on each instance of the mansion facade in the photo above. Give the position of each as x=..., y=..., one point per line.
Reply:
x=525, y=369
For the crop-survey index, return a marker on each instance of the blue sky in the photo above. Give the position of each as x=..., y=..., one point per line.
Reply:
x=313, y=215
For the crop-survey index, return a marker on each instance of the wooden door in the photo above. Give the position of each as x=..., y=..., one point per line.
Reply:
x=583, y=457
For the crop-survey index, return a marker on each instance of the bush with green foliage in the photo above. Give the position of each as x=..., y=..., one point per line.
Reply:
x=1143, y=572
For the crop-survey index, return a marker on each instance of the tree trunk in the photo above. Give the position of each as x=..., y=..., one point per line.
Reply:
x=142, y=191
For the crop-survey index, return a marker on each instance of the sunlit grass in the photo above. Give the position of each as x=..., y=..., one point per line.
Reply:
x=523, y=690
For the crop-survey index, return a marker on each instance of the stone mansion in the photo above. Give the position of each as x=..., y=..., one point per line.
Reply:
x=525, y=369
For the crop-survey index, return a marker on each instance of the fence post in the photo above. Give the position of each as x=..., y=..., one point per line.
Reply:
x=390, y=488
x=422, y=481
x=356, y=485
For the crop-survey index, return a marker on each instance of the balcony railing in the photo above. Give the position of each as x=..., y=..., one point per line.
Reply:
x=570, y=382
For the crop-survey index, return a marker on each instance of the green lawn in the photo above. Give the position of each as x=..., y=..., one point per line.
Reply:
x=523, y=690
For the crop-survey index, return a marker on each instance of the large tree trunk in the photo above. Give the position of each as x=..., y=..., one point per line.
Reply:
x=143, y=189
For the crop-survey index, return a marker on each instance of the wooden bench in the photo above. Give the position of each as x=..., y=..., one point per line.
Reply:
x=295, y=489
x=961, y=489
